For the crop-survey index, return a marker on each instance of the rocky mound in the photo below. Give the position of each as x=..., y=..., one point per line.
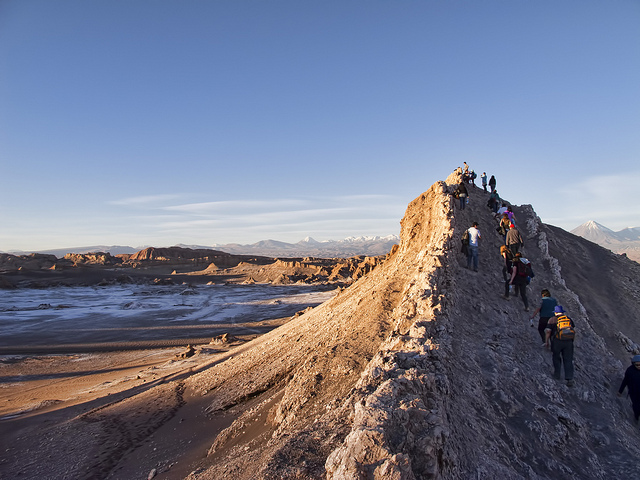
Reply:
x=33, y=261
x=94, y=258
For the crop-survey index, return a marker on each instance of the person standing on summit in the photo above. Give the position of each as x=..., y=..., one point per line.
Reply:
x=483, y=177
x=462, y=193
x=631, y=381
x=492, y=183
x=474, y=238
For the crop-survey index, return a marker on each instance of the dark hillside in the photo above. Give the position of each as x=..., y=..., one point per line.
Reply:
x=607, y=284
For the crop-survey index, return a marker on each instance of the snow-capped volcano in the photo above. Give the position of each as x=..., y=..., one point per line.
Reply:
x=624, y=241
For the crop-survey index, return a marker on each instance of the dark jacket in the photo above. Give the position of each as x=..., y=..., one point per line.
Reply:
x=462, y=189
x=513, y=237
x=632, y=382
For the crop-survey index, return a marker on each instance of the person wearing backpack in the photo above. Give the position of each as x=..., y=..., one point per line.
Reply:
x=511, y=215
x=503, y=227
x=465, y=243
x=507, y=265
x=546, y=310
x=631, y=381
x=560, y=333
x=520, y=276
x=462, y=193
x=494, y=201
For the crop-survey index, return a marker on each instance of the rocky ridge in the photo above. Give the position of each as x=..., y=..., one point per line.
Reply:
x=418, y=370
x=422, y=370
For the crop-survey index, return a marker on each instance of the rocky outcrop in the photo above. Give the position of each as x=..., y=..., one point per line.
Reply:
x=33, y=261
x=181, y=255
x=95, y=258
x=177, y=265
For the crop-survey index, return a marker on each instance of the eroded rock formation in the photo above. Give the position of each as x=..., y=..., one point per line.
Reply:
x=421, y=370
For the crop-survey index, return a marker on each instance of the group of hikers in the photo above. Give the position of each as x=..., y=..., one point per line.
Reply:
x=555, y=327
x=467, y=178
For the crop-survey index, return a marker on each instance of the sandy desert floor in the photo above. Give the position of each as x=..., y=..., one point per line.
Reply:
x=39, y=392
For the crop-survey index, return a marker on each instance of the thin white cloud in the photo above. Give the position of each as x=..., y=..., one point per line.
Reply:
x=278, y=218
x=144, y=200
x=234, y=205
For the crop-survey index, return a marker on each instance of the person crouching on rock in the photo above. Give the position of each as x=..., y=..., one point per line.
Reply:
x=631, y=381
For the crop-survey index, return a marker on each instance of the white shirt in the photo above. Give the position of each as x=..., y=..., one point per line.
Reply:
x=474, y=236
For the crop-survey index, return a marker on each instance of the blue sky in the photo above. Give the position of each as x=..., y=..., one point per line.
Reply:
x=207, y=122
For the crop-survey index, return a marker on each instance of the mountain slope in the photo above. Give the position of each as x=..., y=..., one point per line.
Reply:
x=596, y=233
x=351, y=246
x=419, y=370
x=454, y=383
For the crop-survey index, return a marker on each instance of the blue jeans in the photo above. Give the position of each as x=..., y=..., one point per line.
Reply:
x=463, y=202
x=473, y=256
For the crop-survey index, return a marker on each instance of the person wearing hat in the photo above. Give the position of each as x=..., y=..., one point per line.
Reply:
x=561, y=344
x=631, y=381
x=513, y=239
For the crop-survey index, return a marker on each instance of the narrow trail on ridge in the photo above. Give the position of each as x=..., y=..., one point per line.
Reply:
x=502, y=375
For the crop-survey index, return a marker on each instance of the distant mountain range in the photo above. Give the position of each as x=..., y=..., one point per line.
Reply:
x=348, y=247
x=624, y=241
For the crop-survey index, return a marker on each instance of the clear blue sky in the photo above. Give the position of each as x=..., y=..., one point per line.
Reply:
x=201, y=122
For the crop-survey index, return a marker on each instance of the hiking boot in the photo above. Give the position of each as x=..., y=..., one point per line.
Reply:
x=506, y=297
x=570, y=383
x=526, y=309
